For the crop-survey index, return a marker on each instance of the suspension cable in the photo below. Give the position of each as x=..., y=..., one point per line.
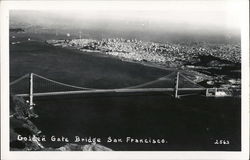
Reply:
x=60, y=83
x=148, y=83
x=19, y=79
x=191, y=81
x=84, y=88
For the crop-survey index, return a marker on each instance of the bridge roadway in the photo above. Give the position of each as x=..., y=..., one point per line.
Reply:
x=123, y=90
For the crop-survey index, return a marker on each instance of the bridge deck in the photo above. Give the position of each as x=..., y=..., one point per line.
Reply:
x=112, y=91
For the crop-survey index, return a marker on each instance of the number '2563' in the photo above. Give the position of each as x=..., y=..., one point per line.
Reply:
x=221, y=141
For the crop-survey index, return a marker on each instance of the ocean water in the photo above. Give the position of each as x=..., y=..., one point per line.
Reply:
x=190, y=123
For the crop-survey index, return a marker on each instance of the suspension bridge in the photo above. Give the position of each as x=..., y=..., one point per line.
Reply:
x=177, y=83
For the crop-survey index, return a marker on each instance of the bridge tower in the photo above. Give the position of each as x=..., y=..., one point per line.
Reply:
x=31, y=90
x=207, y=92
x=176, y=85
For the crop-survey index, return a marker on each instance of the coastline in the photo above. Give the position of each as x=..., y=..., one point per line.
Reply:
x=103, y=55
x=166, y=67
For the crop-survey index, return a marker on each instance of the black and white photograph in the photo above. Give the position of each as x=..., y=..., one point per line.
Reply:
x=129, y=76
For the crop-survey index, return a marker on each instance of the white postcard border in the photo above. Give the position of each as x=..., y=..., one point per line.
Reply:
x=33, y=5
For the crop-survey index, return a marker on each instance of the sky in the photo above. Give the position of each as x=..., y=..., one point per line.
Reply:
x=190, y=16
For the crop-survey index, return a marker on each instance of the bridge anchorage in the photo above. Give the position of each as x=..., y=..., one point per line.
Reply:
x=176, y=83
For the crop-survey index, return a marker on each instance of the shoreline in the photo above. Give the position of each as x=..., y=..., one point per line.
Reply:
x=100, y=54
x=147, y=64
x=96, y=55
